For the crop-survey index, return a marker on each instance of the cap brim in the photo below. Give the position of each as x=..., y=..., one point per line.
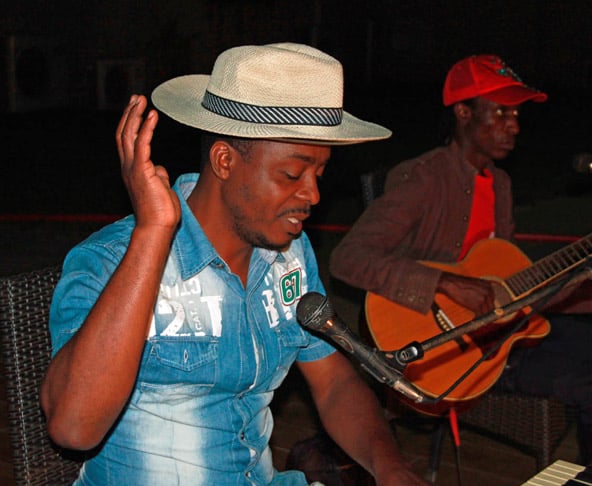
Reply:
x=181, y=99
x=515, y=95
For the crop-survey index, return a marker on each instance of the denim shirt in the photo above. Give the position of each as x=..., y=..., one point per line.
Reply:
x=216, y=351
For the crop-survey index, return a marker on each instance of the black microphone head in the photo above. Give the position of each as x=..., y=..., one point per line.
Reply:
x=314, y=310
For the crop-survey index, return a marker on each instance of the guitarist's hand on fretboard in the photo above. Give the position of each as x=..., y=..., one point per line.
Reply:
x=475, y=294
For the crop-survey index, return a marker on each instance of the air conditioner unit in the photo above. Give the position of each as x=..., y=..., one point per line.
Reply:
x=117, y=80
x=34, y=68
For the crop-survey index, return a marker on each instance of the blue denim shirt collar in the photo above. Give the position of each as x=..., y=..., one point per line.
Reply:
x=191, y=235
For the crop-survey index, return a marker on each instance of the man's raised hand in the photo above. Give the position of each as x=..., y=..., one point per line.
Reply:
x=148, y=185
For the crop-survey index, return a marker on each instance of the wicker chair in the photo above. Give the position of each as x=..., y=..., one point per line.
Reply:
x=25, y=346
x=534, y=425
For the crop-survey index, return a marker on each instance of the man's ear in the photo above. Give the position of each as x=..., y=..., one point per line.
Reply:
x=222, y=158
x=462, y=112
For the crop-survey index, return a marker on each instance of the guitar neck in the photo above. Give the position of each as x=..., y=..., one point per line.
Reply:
x=550, y=267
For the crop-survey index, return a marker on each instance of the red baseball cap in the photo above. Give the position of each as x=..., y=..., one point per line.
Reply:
x=488, y=76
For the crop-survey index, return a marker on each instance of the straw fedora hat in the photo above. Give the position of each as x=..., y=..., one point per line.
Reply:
x=280, y=91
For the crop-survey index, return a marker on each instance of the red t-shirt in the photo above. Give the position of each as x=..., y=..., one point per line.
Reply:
x=482, y=220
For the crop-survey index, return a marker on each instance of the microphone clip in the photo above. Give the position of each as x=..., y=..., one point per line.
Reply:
x=400, y=358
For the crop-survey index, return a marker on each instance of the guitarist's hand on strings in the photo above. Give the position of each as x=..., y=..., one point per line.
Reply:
x=475, y=294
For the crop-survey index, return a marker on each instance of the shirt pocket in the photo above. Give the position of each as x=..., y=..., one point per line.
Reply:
x=291, y=338
x=171, y=361
x=292, y=335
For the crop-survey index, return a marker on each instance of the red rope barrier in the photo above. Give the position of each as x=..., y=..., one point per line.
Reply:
x=326, y=227
x=59, y=218
x=529, y=237
x=538, y=238
x=329, y=228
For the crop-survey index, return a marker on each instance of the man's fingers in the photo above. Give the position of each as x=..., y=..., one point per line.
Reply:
x=122, y=122
x=129, y=127
x=144, y=138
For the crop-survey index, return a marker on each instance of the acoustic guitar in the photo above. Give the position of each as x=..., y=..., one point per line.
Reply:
x=393, y=326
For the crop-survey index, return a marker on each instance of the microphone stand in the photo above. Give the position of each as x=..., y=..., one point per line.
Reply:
x=416, y=350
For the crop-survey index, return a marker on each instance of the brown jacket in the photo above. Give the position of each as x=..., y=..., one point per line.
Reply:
x=423, y=215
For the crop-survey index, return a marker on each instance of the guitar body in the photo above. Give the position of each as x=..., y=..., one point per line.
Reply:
x=394, y=326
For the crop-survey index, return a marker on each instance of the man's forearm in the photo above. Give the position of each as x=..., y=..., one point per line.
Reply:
x=91, y=377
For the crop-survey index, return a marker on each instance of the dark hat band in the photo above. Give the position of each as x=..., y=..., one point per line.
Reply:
x=272, y=115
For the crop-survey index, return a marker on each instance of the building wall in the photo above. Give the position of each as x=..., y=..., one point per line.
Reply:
x=382, y=44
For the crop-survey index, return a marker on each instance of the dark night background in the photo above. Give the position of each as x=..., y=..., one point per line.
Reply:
x=67, y=68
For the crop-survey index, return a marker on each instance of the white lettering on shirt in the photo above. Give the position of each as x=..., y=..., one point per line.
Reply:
x=179, y=313
x=273, y=316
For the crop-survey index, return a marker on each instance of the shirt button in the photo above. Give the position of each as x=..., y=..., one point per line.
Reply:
x=248, y=474
x=465, y=218
x=458, y=244
x=468, y=192
x=242, y=436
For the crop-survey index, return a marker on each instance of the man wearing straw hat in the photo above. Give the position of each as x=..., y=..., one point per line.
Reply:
x=173, y=327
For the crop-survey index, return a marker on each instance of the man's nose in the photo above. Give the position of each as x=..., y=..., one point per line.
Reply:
x=513, y=125
x=309, y=191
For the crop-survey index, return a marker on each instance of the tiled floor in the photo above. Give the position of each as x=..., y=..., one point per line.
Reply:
x=483, y=461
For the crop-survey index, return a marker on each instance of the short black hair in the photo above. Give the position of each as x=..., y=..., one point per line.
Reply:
x=241, y=145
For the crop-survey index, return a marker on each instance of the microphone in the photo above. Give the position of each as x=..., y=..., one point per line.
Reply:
x=315, y=312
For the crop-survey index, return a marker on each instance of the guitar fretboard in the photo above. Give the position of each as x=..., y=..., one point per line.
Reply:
x=550, y=267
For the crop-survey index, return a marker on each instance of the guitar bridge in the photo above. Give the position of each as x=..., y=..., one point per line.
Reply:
x=445, y=324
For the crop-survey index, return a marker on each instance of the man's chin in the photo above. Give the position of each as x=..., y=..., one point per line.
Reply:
x=282, y=245
x=501, y=153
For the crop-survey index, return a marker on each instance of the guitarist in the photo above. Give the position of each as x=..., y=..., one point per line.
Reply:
x=439, y=204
